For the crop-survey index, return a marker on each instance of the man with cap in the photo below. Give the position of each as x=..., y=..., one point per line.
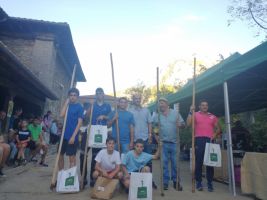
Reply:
x=101, y=109
x=170, y=120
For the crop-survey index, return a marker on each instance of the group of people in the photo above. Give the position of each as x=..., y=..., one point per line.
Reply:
x=132, y=135
x=26, y=138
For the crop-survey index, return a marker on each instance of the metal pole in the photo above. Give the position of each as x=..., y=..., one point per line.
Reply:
x=231, y=175
x=178, y=179
x=160, y=142
x=193, y=129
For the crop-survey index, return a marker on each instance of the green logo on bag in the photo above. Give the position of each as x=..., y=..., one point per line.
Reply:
x=98, y=138
x=213, y=157
x=69, y=181
x=142, y=192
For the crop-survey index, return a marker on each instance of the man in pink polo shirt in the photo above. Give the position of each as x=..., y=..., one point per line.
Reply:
x=207, y=128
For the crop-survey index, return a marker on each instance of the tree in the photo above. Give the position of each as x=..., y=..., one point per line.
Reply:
x=252, y=11
x=149, y=94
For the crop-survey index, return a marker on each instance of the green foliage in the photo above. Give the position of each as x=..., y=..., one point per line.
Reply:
x=149, y=94
x=258, y=131
x=186, y=137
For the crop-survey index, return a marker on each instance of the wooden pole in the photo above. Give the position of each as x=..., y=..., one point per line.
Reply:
x=86, y=145
x=160, y=142
x=116, y=107
x=178, y=186
x=55, y=170
x=193, y=129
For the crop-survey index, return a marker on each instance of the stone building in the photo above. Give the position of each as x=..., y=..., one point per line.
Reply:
x=36, y=64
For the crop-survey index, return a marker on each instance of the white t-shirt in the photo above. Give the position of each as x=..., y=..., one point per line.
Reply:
x=107, y=161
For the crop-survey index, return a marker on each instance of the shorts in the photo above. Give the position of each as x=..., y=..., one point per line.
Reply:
x=69, y=149
x=23, y=144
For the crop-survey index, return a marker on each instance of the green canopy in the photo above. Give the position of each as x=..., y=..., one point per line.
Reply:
x=247, y=84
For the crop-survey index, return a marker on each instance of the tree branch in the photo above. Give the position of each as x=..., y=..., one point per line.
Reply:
x=253, y=17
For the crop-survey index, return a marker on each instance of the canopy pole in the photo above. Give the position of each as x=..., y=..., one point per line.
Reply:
x=231, y=175
x=193, y=178
x=160, y=142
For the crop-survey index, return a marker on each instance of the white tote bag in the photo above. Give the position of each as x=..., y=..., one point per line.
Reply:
x=140, y=186
x=98, y=136
x=212, y=155
x=68, y=181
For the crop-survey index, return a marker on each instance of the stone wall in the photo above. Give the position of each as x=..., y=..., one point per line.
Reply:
x=21, y=47
x=43, y=58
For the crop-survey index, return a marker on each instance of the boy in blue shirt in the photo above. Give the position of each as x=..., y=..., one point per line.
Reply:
x=73, y=124
x=136, y=161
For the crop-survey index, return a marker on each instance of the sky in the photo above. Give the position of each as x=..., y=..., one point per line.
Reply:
x=141, y=35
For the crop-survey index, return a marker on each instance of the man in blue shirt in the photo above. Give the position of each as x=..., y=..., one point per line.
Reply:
x=170, y=121
x=73, y=124
x=126, y=125
x=136, y=161
x=99, y=116
x=142, y=126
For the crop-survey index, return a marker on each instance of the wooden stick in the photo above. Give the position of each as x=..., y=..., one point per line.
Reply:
x=193, y=129
x=86, y=145
x=55, y=170
x=177, y=152
x=160, y=142
x=116, y=107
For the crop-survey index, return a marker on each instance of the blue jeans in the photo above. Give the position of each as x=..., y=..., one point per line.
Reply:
x=13, y=151
x=200, y=144
x=169, y=153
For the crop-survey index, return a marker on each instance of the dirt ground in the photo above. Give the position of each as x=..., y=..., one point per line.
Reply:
x=32, y=182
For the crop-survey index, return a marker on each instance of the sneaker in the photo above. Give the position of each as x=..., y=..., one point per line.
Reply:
x=154, y=185
x=2, y=174
x=180, y=187
x=43, y=164
x=33, y=159
x=165, y=186
x=199, y=186
x=210, y=187
x=24, y=162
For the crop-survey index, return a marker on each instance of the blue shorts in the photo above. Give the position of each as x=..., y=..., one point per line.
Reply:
x=69, y=149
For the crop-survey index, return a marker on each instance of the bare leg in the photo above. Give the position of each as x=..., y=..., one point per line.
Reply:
x=1, y=155
x=45, y=149
x=95, y=174
x=61, y=162
x=145, y=169
x=19, y=153
x=23, y=152
x=5, y=154
x=72, y=160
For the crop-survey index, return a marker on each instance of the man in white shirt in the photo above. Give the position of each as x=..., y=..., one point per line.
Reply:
x=108, y=162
